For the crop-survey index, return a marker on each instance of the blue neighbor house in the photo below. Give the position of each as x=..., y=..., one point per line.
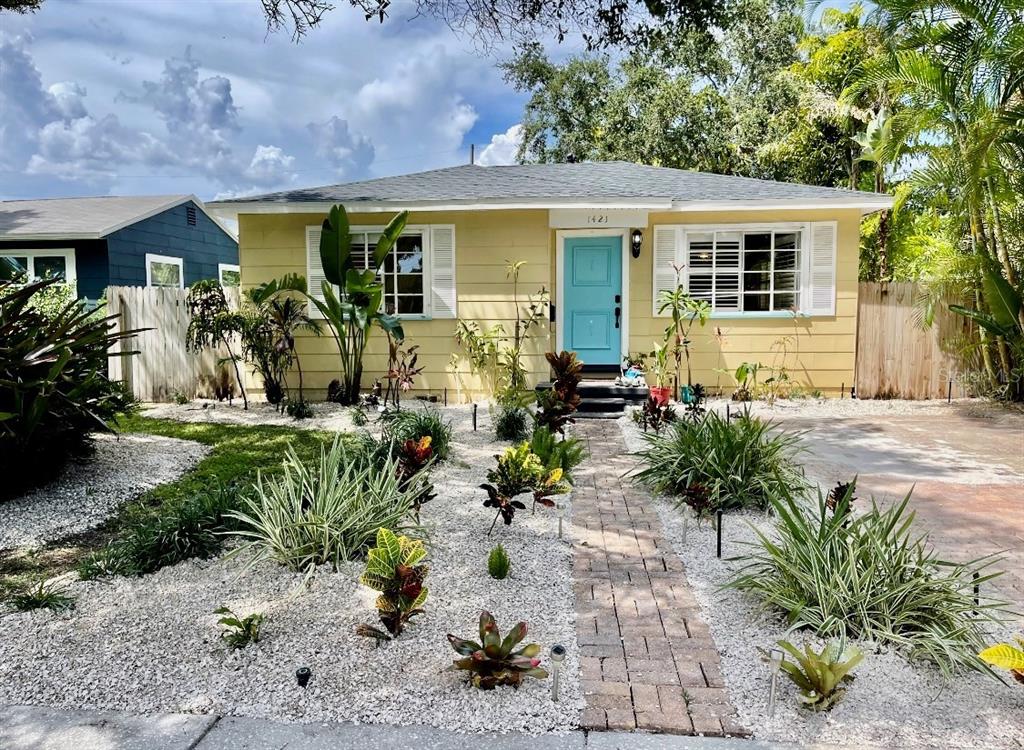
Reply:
x=93, y=243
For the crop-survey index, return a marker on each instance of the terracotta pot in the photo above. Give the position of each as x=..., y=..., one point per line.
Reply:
x=661, y=394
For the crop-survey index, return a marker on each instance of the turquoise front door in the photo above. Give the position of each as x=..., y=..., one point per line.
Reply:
x=592, y=304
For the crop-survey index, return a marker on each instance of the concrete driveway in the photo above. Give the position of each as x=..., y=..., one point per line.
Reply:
x=965, y=466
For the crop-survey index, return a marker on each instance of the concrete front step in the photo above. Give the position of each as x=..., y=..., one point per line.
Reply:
x=604, y=398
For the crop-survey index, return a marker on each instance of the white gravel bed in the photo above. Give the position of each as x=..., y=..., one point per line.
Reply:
x=152, y=643
x=91, y=489
x=889, y=704
x=327, y=416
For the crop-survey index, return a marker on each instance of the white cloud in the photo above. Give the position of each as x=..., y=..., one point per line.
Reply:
x=69, y=98
x=270, y=165
x=350, y=154
x=415, y=107
x=503, y=147
x=159, y=100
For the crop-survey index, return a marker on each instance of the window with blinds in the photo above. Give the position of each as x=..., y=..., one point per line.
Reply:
x=773, y=268
x=738, y=271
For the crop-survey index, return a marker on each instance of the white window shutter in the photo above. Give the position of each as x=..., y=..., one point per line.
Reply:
x=314, y=268
x=665, y=244
x=443, y=301
x=821, y=275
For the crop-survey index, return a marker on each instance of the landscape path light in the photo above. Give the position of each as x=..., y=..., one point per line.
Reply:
x=557, y=657
x=775, y=659
x=302, y=675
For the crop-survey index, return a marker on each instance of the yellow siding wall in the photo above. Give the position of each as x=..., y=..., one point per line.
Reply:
x=820, y=350
x=271, y=245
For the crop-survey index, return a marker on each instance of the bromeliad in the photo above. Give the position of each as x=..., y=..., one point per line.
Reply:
x=495, y=660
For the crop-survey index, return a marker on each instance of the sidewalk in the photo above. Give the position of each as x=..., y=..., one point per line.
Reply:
x=43, y=728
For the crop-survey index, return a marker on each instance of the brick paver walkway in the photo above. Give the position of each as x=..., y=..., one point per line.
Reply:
x=648, y=658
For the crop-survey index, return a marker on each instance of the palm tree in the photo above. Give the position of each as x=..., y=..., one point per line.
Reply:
x=286, y=315
x=957, y=68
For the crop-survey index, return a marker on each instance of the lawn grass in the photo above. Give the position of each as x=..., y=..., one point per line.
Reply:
x=237, y=453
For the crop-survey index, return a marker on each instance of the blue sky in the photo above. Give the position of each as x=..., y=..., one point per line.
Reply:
x=192, y=96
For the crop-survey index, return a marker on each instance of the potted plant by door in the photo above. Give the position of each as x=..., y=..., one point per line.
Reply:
x=660, y=391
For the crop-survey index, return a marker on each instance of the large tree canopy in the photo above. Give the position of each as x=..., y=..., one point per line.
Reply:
x=601, y=23
x=734, y=100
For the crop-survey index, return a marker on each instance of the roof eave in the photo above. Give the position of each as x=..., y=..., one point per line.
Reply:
x=50, y=237
x=232, y=209
x=866, y=204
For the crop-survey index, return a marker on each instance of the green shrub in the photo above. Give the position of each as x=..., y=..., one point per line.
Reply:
x=328, y=510
x=565, y=454
x=298, y=409
x=190, y=529
x=239, y=632
x=737, y=463
x=413, y=424
x=54, y=389
x=42, y=596
x=869, y=577
x=512, y=423
x=498, y=563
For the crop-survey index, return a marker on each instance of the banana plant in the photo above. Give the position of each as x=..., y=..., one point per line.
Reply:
x=352, y=312
x=1006, y=311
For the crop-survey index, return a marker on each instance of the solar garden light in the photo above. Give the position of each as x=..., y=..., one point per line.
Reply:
x=775, y=659
x=302, y=675
x=718, y=518
x=557, y=656
x=474, y=417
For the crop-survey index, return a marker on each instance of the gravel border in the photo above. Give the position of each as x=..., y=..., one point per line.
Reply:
x=90, y=490
x=151, y=644
x=327, y=416
x=890, y=704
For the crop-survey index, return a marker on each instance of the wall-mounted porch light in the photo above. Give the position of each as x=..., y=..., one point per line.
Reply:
x=635, y=239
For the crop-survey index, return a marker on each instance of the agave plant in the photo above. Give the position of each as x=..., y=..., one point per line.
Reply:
x=392, y=568
x=1006, y=656
x=495, y=660
x=820, y=675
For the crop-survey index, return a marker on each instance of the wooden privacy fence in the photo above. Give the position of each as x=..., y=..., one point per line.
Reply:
x=163, y=366
x=896, y=356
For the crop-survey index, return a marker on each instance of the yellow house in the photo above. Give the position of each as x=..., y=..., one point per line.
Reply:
x=776, y=261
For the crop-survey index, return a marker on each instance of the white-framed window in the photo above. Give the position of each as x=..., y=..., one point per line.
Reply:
x=229, y=274
x=165, y=271
x=739, y=269
x=418, y=274
x=746, y=271
x=38, y=264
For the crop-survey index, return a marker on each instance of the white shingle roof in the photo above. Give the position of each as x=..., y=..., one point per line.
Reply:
x=597, y=181
x=85, y=218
